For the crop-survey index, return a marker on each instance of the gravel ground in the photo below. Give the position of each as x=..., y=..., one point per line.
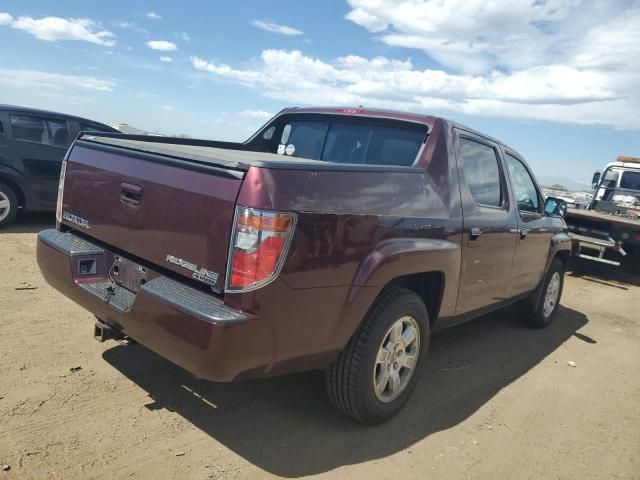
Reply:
x=496, y=401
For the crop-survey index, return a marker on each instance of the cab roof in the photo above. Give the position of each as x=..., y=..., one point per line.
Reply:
x=37, y=111
x=428, y=120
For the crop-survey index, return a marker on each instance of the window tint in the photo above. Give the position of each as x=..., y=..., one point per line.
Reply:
x=40, y=130
x=306, y=137
x=630, y=180
x=481, y=171
x=525, y=190
x=359, y=143
x=610, y=179
x=395, y=146
x=268, y=133
x=346, y=143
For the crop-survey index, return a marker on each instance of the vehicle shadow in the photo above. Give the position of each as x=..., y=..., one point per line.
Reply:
x=287, y=427
x=603, y=274
x=31, y=222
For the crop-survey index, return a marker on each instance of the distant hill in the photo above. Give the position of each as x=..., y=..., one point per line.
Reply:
x=572, y=185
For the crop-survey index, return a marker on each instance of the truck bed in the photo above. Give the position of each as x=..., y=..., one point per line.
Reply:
x=209, y=153
x=599, y=216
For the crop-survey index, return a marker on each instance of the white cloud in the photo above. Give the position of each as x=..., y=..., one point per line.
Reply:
x=52, y=29
x=153, y=15
x=166, y=59
x=184, y=36
x=553, y=92
x=5, y=19
x=162, y=45
x=255, y=114
x=575, y=61
x=477, y=36
x=168, y=108
x=56, y=81
x=275, y=28
x=365, y=19
x=125, y=25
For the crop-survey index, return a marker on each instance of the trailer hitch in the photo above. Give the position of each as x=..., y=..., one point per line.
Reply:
x=103, y=331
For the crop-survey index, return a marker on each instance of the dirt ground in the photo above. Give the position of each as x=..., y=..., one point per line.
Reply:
x=496, y=401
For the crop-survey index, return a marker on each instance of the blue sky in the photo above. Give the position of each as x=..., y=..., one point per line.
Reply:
x=556, y=79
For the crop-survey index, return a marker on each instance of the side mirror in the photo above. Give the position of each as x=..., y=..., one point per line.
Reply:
x=595, y=180
x=555, y=207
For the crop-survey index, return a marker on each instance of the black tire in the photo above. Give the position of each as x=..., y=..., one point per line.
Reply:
x=538, y=316
x=631, y=262
x=8, y=215
x=349, y=380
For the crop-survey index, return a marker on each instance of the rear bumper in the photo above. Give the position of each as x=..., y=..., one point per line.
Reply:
x=193, y=329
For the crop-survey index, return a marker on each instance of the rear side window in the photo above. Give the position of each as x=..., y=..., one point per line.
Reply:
x=524, y=188
x=353, y=143
x=47, y=131
x=481, y=171
x=630, y=180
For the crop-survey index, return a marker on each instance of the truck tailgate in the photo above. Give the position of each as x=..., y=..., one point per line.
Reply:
x=173, y=215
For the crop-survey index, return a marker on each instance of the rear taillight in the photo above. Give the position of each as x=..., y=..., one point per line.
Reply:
x=259, y=244
x=63, y=172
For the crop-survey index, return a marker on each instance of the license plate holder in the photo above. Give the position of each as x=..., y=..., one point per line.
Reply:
x=128, y=274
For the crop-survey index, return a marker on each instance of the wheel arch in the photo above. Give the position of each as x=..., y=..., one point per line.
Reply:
x=428, y=267
x=429, y=286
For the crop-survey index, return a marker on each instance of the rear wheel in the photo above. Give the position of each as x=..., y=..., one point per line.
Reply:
x=8, y=205
x=544, y=310
x=374, y=375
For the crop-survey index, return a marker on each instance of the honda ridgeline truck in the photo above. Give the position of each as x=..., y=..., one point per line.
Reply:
x=335, y=239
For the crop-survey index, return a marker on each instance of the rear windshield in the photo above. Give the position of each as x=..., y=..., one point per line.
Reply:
x=355, y=143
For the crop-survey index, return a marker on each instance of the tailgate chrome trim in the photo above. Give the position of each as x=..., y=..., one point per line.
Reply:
x=193, y=302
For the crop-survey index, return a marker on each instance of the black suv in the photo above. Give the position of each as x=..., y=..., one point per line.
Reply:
x=32, y=145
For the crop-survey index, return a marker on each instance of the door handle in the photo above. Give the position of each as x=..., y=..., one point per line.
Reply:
x=524, y=232
x=131, y=194
x=475, y=233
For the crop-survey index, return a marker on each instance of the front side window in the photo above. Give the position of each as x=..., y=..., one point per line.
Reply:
x=524, y=188
x=610, y=179
x=481, y=171
x=352, y=143
x=42, y=130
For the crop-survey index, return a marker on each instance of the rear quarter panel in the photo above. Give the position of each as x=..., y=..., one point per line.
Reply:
x=356, y=231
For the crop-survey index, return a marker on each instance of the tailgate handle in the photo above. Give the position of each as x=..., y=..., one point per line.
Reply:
x=131, y=194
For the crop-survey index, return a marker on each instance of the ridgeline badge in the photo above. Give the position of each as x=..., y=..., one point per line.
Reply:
x=200, y=274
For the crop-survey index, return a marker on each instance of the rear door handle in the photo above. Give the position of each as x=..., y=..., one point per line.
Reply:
x=524, y=232
x=131, y=194
x=475, y=233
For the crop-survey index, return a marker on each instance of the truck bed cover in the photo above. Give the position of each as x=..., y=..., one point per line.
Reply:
x=236, y=159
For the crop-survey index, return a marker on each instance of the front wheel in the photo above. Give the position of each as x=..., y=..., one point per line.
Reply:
x=548, y=300
x=373, y=377
x=8, y=205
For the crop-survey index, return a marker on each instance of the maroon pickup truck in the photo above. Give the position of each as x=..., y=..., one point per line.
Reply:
x=335, y=239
